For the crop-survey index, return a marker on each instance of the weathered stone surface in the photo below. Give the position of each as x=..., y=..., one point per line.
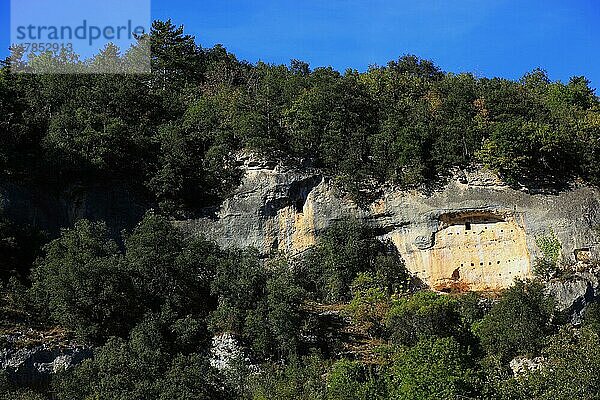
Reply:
x=49, y=210
x=30, y=361
x=226, y=351
x=522, y=365
x=574, y=293
x=476, y=235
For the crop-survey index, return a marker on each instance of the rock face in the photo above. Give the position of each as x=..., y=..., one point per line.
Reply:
x=226, y=351
x=474, y=233
x=572, y=295
x=33, y=364
x=47, y=210
x=523, y=365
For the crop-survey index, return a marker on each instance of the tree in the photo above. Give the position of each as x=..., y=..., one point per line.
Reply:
x=19, y=247
x=370, y=304
x=423, y=315
x=351, y=380
x=299, y=379
x=8, y=391
x=346, y=249
x=151, y=364
x=547, y=266
x=177, y=62
x=168, y=271
x=271, y=91
x=259, y=303
x=80, y=283
x=435, y=368
x=279, y=312
x=569, y=370
x=519, y=323
x=196, y=166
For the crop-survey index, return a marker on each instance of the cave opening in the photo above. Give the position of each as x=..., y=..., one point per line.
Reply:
x=299, y=205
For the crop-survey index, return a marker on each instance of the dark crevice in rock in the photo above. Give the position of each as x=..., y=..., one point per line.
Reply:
x=296, y=196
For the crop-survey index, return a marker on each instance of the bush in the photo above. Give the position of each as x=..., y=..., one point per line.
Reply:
x=547, y=266
x=168, y=271
x=570, y=370
x=346, y=249
x=152, y=364
x=351, y=380
x=85, y=283
x=260, y=303
x=301, y=379
x=8, y=391
x=591, y=317
x=81, y=283
x=423, y=315
x=370, y=304
x=435, y=368
x=519, y=323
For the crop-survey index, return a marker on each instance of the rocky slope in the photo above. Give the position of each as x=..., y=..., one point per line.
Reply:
x=30, y=357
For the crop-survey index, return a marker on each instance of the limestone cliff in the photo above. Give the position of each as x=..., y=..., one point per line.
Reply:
x=50, y=209
x=473, y=233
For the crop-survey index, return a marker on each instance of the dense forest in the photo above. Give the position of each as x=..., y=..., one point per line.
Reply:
x=344, y=321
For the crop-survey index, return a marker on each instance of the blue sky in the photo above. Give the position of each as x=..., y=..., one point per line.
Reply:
x=489, y=38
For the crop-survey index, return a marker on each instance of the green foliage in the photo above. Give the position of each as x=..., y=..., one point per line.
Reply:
x=547, y=266
x=570, y=370
x=352, y=380
x=80, y=282
x=346, y=249
x=591, y=317
x=173, y=134
x=259, y=303
x=369, y=305
x=550, y=246
x=435, y=368
x=195, y=165
x=423, y=315
x=85, y=283
x=519, y=323
x=8, y=391
x=273, y=327
x=301, y=379
x=19, y=246
x=149, y=365
x=167, y=270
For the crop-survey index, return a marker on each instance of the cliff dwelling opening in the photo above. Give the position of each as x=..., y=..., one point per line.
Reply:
x=480, y=250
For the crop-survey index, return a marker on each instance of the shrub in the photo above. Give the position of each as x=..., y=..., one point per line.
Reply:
x=346, y=249
x=423, y=315
x=547, y=266
x=519, y=323
x=80, y=283
x=370, y=304
x=351, y=380
x=435, y=368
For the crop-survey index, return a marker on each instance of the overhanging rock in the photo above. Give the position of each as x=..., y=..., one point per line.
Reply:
x=474, y=233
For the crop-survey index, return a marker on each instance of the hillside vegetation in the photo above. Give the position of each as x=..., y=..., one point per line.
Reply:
x=345, y=320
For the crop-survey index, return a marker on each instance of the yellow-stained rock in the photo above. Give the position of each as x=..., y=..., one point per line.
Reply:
x=469, y=252
x=474, y=233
